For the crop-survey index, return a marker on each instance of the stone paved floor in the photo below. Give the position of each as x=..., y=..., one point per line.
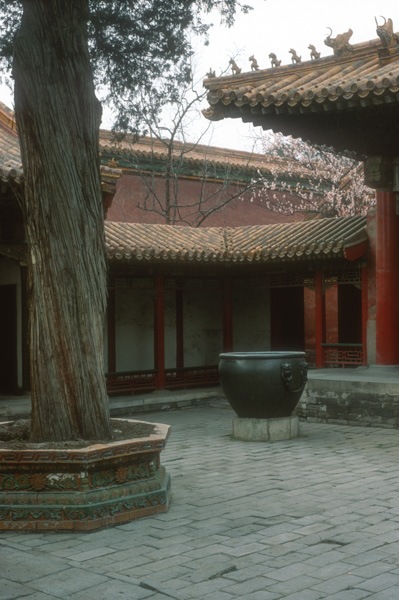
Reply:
x=312, y=518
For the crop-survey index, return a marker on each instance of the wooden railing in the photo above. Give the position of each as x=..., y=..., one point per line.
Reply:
x=189, y=377
x=132, y=382
x=343, y=355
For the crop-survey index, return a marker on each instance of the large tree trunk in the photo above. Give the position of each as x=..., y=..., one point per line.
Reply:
x=58, y=118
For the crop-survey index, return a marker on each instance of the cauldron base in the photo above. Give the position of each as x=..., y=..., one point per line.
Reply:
x=266, y=430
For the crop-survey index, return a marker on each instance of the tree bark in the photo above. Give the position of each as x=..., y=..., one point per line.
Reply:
x=58, y=119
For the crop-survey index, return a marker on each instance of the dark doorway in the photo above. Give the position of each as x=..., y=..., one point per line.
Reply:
x=287, y=319
x=349, y=314
x=8, y=338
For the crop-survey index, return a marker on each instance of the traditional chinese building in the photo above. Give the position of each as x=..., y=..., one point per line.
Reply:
x=178, y=296
x=193, y=184
x=349, y=101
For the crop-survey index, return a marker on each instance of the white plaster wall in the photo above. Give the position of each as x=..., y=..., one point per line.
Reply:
x=251, y=319
x=203, y=322
x=134, y=315
x=10, y=274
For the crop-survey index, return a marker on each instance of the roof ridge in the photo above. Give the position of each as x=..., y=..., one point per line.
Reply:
x=359, y=50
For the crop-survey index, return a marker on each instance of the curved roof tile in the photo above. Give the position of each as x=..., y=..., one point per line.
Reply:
x=10, y=154
x=358, y=77
x=306, y=240
x=151, y=148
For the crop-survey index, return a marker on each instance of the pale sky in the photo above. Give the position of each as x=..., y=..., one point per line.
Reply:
x=276, y=26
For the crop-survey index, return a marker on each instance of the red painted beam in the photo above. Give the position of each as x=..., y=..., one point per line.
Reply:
x=387, y=321
x=320, y=315
x=355, y=252
x=107, y=201
x=365, y=311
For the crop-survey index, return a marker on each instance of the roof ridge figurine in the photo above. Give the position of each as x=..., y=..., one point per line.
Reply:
x=234, y=67
x=294, y=56
x=385, y=33
x=275, y=62
x=314, y=55
x=340, y=44
x=254, y=63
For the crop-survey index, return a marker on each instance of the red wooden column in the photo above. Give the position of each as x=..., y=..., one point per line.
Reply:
x=320, y=314
x=365, y=311
x=111, y=327
x=387, y=339
x=179, y=329
x=159, y=331
x=227, y=316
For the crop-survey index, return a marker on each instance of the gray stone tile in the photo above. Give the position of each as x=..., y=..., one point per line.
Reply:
x=292, y=586
x=11, y=589
x=330, y=570
x=28, y=566
x=290, y=572
x=262, y=595
x=387, y=594
x=348, y=595
x=90, y=554
x=263, y=510
x=113, y=590
x=371, y=569
x=247, y=572
x=250, y=585
x=67, y=582
x=305, y=595
x=381, y=582
x=338, y=584
x=38, y=596
x=365, y=558
x=206, y=589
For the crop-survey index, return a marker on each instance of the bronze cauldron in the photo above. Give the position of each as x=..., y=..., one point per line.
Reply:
x=263, y=385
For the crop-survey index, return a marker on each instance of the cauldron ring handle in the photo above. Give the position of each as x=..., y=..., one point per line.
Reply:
x=286, y=376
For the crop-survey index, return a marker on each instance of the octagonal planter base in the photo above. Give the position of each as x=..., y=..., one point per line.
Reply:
x=84, y=489
x=266, y=430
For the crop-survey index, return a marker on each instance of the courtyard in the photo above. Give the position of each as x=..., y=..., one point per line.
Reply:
x=316, y=517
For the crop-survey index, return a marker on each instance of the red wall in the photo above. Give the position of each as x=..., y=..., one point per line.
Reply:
x=131, y=197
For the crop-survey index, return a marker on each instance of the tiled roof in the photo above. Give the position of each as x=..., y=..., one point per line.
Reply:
x=10, y=154
x=358, y=78
x=150, y=148
x=308, y=240
x=146, y=147
x=347, y=101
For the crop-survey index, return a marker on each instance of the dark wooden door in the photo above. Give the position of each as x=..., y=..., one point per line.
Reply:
x=349, y=314
x=8, y=338
x=287, y=319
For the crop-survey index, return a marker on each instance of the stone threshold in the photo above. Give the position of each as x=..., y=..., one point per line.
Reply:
x=12, y=407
